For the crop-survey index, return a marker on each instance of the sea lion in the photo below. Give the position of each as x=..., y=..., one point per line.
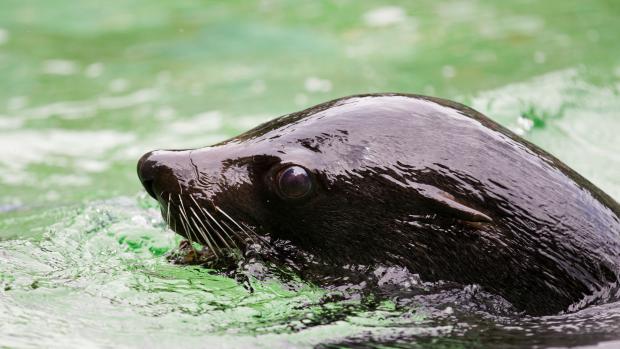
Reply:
x=414, y=181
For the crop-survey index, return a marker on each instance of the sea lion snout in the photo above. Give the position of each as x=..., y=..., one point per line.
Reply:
x=162, y=169
x=147, y=173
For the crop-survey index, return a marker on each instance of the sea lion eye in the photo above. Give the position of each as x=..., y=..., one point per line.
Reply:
x=294, y=182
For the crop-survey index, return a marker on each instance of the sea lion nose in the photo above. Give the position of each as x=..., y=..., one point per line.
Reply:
x=147, y=172
x=163, y=171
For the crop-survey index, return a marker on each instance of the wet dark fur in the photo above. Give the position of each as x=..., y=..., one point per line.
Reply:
x=406, y=180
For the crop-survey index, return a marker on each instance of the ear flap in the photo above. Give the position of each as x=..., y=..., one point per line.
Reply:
x=447, y=205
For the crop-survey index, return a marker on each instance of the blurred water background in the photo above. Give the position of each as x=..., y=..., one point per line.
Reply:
x=86, y=87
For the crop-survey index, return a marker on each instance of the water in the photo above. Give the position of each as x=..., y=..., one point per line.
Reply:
x=87, y=87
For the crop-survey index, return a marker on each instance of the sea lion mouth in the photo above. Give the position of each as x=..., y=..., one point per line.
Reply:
x=206, y=224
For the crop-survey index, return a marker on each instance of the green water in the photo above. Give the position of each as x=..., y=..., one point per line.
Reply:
x=87, y=87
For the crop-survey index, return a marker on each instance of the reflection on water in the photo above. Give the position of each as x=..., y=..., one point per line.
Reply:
x=88, y=87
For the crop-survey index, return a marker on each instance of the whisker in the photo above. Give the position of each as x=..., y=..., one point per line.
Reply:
x=218, y=224
x=203, y=211
x=206, y=229
x=245, y=230
x=218, y=234
x=232, y=231
x=205, y=232
x=234, y=222
x=187, y=228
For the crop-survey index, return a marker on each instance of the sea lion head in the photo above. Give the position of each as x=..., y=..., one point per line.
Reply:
x=307, y=177
x=399, y=179
x=326, y=178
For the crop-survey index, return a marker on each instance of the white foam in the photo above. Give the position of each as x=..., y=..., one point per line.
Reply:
x=540, y=57
x=385, y=16
x=458, y=10
x=200, y=123
x=448, y=71
x=87, y=108
x=85, y=150
x=8, y=123
x=134, y=98
x=165, y=113
x=60, y=67
x=17, y=102
x=63, y=109
x=94, y=70
x=69, y=180
x=91, y=165
x=525, y=125
x=314, y=84
x=524, y=25
x=119, y=85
